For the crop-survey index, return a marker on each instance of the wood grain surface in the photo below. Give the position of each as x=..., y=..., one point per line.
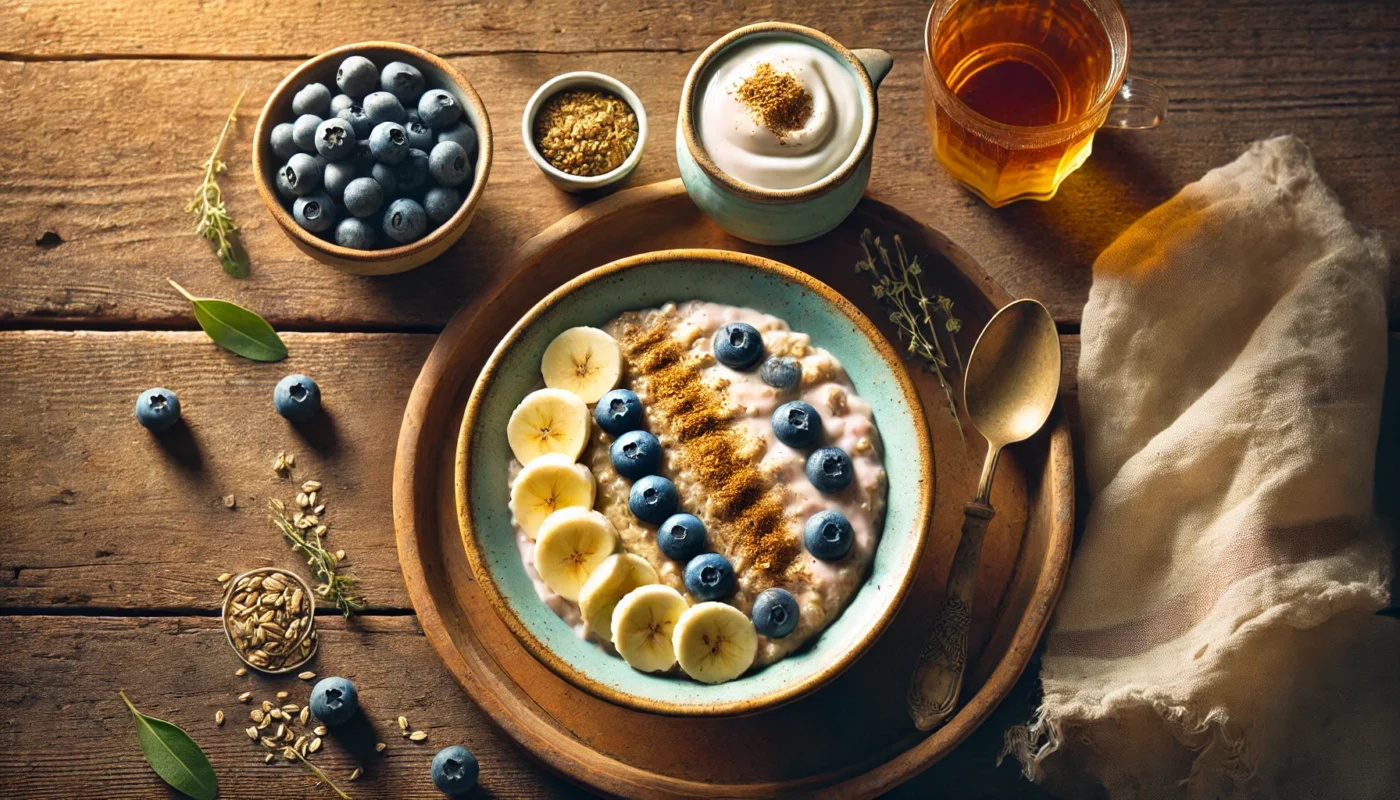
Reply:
x=110, y=538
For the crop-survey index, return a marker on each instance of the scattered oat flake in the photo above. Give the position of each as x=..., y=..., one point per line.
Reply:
x=283, y=695
x=379, y=747
x=403, y=723
x=305, y=715
x=356, y=774
x=315, y=744
x=224, y=578
x=319, y=730
x=219, y=717
x=252, y=733
x=245, y=697
x=241, y=671
x=417, y=736
x=230, y=501
x=306, y=676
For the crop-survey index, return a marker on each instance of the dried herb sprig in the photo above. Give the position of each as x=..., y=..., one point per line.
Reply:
x=319, y=774
x=339, y=589
x=897, y=284
x=208, y=207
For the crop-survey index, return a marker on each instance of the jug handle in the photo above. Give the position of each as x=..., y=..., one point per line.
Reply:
x=877, y=64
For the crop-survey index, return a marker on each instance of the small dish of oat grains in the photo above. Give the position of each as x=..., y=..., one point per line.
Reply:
x=584, y=130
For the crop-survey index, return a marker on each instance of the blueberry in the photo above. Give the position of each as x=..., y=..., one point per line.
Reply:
x=355, y=233
x=781, y=372
x=829, y=469
x=618, y=412
x=359, y=121
x=284, y=187
x=775, y=613
x=402, y=80
x=828, y=535
x=439, y=109
x=157, y=409
x=419, y=135
x=462, y=133
x=363, y=197
x=336, y=177
x=297, y=398
x=681, y=537
x=384, y=175
x=412, y=172
x=405, y=221
x=334, y=701
x=797, y=424
x=389, y=142
x=441, y=204
x=653, y=499
x=357, y=76
x=635, y=454
x=738, y=345
x=314, y=98
x=303, y=174
x=335, y=139
x=383, y=107
x=455, y=770
x=283, y=145
x=315, y=212
x=709, y=576
x=304, y=132
x=341, y=102
x=448, y=164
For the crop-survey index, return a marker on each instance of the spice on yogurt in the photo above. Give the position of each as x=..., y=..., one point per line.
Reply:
x=777, y=100
x=585, y=132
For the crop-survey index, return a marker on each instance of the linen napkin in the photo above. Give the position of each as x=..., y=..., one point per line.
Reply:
x=1216, y=636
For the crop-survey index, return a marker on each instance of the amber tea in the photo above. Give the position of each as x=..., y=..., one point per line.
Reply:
x=1016, y=88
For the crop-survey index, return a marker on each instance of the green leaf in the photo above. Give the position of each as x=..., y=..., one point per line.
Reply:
x=174, y=756
x=235, y=328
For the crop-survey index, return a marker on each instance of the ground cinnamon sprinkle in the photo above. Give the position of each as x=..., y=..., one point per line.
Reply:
x=778, y=100
x=745, y=501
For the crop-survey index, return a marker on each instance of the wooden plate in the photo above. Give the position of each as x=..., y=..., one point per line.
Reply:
x=853, y=737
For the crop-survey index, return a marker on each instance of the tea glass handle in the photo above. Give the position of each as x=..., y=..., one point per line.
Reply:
x=1140, y=104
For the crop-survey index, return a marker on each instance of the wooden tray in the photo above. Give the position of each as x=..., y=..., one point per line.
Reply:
x=853, y=737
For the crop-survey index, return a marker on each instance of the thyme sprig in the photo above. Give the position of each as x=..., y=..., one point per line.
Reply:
x=319, y=774
x=208, y=207
x=339, y=589
x=919, y=317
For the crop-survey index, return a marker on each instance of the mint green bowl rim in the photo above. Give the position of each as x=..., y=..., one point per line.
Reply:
x=541, y=650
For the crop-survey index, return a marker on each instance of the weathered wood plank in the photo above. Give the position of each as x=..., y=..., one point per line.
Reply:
x=97, y=514
x=67, y=733
x=112, y=191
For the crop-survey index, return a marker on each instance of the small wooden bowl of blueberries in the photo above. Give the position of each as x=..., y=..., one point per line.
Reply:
x=373, y=156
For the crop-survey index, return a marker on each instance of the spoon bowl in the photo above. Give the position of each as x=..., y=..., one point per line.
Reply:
x=1013, y=374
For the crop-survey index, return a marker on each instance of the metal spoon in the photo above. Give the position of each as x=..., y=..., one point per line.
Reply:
x=1012, y=378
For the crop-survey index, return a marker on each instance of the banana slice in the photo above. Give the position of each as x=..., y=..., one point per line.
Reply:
x=545, y=485
x=605, y=588
x=571, y=545
x=642, y=626
x=715, y=642
x=585, y=361
x=548, y=421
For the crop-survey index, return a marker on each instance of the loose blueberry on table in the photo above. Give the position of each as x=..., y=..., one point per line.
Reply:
x=297, y=398
x=157, y=409
x=455, y=770
x=387, y=128
x=334, y=701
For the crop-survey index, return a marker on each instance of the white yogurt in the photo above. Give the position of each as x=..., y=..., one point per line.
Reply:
x=740, y=145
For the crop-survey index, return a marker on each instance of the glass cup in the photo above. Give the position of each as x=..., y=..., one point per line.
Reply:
x=1015, y=89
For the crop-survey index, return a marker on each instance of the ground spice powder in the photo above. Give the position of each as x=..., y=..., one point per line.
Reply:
x=746, y=502
x=585, y=131
x=778, y=100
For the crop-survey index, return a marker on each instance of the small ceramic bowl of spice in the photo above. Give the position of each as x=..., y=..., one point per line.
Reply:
x=584, y=130
x=269, y=617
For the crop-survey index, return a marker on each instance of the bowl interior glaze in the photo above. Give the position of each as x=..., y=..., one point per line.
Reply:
x=646, y=281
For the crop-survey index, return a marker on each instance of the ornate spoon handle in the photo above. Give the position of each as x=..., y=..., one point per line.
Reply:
x=938, y=677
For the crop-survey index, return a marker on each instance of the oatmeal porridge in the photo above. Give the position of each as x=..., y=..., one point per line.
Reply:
x=706, y=484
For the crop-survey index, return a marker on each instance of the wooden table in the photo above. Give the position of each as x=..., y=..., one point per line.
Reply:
x=110, y=539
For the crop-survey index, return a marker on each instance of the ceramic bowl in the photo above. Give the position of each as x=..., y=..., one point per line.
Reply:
x=322, y=68
x=647, y=281
x=587, y=80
